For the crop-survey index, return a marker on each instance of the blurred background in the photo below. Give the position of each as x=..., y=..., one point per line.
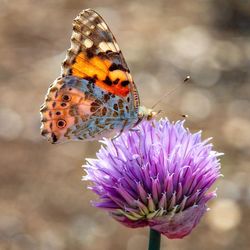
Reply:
x=43, y=202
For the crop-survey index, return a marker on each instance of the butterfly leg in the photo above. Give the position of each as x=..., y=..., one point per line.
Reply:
x=121, y=131
x=134, y=129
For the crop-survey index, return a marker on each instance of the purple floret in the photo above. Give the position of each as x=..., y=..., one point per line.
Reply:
x=156, y=176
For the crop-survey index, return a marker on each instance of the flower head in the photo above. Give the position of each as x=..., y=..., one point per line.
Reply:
x=156, y=176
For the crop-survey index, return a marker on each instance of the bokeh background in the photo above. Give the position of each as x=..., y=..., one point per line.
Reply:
x=44, y=204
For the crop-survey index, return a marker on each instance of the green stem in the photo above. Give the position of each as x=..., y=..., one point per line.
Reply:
x=154, y=240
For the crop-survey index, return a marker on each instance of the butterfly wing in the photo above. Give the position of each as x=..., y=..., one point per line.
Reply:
x=96, y=94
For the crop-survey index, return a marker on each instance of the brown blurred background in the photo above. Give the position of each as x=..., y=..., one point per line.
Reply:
x=44, y=204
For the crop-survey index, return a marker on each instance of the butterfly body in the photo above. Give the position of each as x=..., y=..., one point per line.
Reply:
x=95, y=95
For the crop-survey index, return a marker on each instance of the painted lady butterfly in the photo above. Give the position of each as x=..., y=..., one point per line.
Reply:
x=95, y=94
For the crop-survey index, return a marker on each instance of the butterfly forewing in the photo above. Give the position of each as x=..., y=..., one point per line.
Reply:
x=94, y=54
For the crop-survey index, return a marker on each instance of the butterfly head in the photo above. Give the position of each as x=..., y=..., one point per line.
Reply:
x=147, y=114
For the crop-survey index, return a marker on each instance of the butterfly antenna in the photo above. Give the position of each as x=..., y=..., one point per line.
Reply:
x=171, y=92
x=172, y=110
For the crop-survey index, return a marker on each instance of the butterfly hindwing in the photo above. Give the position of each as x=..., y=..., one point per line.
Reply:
x=76, y=109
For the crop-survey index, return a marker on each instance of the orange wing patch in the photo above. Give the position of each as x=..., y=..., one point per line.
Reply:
x=98, y=69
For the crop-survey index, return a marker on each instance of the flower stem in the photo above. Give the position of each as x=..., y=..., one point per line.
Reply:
x=154, y=240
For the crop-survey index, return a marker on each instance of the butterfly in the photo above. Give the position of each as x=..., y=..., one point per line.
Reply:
x=95, y=94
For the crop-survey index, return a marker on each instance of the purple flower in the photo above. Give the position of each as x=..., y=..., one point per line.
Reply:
x=156, y=176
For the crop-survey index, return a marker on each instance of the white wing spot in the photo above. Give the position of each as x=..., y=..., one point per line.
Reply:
x=87, y=33
x=74, y=47
x=102, y=26
x=103, y=46
x=76, y=35
x=85, y=22
x=92, y=18
x=107, y=46
x=112, y=47
x=88, y=43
